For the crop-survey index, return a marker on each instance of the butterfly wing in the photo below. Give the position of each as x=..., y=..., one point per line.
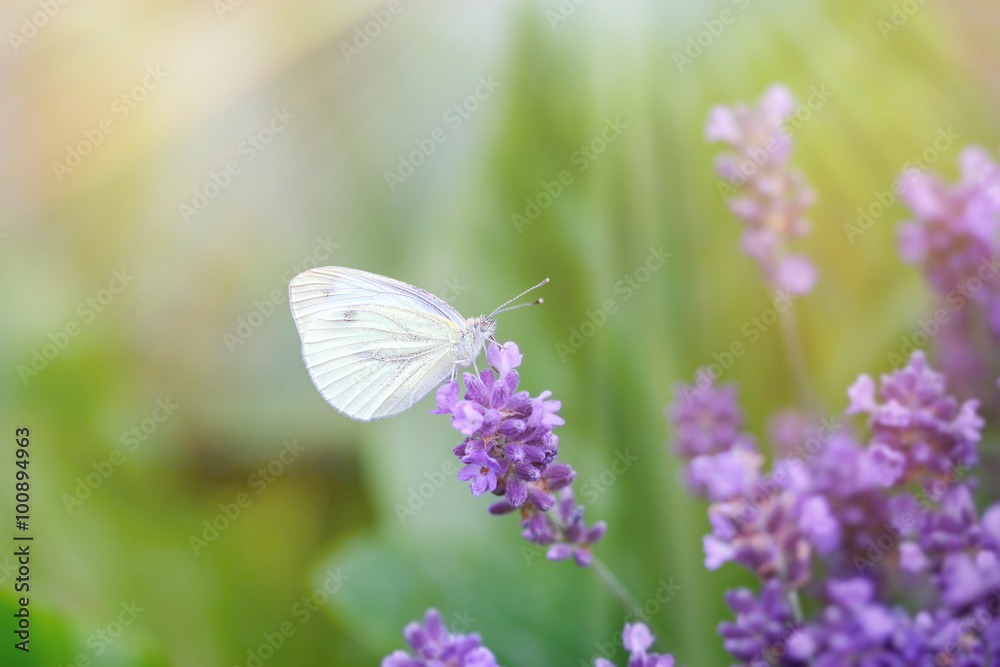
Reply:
x=373, y=345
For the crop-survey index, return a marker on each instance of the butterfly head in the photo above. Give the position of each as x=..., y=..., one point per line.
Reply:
x=484, y=326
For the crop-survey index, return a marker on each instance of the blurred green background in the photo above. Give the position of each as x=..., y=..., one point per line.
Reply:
x=202, y=81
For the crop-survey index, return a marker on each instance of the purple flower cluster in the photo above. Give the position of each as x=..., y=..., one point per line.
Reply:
x=509, y=449
x=954, y=236
x=757, y=519
x=768, y=196
x=882, y=536
x=636, y=638
x=916, y=428
x=434, y=646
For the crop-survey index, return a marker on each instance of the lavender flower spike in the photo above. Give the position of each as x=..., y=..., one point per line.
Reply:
x=434, y=646
x=509, y=449
x=761, y=189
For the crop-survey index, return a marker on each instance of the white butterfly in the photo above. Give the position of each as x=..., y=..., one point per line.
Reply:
x=374, y=345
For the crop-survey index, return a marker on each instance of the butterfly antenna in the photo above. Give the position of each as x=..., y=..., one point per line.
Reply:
x=501, y=309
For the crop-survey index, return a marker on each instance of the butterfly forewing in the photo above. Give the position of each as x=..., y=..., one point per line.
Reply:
x=317, y=290
x=373, y=345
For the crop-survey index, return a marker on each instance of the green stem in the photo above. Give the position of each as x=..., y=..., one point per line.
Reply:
x=797, y=360
x=624, y=596
x=614, y=585
x=793, y=600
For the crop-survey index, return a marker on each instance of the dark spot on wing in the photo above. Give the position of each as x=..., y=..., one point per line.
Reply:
x=350, y=315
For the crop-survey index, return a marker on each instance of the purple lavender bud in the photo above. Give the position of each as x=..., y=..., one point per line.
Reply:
x=402, y=659
x=514, y=451
x=862, y=395
x=795, y=273
x=475, y=389
x=543, y=412
x=912, y=558
x=595, y=532
x=516, y=490
x=512, y=428
x=558, y=476
x=480, y=657
x=527, y=472
x=501, y=507
x=537, y=454
x=559, y=551
x=447, y=397
x=519, y=405
x=636, y=638
x=537, y=528
x=504, y=358
x=727, y=474
x=467, y=417
x=491, y=420
x=543, y=500
x=817, y=523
